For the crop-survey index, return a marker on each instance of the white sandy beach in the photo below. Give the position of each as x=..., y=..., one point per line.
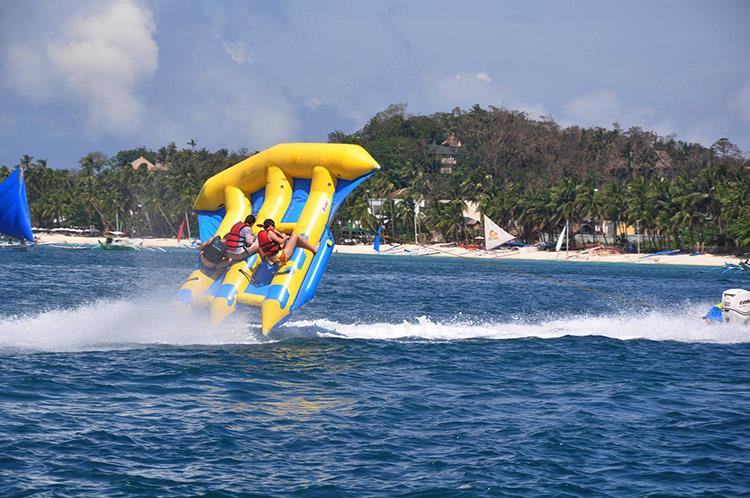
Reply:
x=531, y=254
x=75, y=240
x=436, y=250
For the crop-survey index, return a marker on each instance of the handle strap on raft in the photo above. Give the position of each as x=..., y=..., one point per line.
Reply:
x=286, y=270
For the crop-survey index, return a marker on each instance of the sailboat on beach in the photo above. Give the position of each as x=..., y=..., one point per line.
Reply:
x=15, y=219
x=494, y=236
x=562, y=238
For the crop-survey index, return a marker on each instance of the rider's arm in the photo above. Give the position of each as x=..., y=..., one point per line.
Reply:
x=284, y=236
x=203, y=246
x=247, y=234
x=275, y=236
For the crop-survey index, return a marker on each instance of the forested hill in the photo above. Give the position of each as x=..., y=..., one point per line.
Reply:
x=529, y=175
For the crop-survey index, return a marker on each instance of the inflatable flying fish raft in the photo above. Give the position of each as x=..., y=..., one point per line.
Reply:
x=299, y=186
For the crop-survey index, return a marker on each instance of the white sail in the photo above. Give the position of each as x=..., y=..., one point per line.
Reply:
x=560, y=239
x=494, y=235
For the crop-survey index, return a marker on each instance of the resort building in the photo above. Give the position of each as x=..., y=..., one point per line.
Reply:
x=445, y=153
x=142, y=161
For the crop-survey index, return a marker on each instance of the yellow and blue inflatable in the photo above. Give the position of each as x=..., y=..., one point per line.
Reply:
x=300, y=186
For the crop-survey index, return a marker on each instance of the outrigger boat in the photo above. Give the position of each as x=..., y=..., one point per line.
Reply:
x=742, y=266
x=111, y=245
x=15, y=219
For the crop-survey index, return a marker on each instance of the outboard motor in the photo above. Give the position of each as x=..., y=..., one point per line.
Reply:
x=735, y=306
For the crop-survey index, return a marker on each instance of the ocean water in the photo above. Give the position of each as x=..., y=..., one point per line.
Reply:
x=406, y=376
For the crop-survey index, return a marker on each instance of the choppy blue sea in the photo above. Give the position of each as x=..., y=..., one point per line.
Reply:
x=406, y=376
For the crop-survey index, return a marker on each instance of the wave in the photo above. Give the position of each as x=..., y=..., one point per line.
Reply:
x=655, y=326
x=122, y=324
x=116, y=324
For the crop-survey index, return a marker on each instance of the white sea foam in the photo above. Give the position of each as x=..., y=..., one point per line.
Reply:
x=116, y=324
x=656, y=326
x=121, y=324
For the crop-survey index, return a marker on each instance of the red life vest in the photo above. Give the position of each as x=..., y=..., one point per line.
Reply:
x=234, y=239
x=268, y=246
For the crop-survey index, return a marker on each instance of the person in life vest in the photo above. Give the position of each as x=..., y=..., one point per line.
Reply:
x=240, y=240
x=277, y=247
x=213, y=257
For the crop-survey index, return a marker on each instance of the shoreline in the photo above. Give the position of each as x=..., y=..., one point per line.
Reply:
x=529, y=254
x=52, y=239
x=441, y=250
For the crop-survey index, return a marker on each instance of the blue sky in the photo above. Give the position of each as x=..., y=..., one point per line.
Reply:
x=79, y=76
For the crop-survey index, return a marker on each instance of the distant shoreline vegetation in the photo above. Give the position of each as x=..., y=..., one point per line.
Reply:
x=530, y=176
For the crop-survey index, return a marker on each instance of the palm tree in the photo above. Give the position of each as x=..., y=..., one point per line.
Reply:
x=735, y=202
x=404, y=213
x=688, y=218
x=358, y=211
x=589, y=202
x=638, y=211
x=534, y=214
x=447, y=218
x=664, y=196
x=563, y=202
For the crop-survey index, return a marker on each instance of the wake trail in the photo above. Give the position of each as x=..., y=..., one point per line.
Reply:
x=116, y=324
x=656, y=326
x=126, y=324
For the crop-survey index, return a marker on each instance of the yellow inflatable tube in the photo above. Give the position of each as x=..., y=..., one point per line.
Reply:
x=299, y=186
